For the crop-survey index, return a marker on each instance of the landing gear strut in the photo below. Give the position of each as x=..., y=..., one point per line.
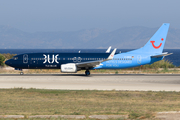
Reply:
x=87, y=72
x=21, y=73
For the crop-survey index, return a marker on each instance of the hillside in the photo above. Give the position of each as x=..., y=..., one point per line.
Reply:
x=124, y=38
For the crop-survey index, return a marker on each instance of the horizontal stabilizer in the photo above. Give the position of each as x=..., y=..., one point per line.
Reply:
x=161, y=55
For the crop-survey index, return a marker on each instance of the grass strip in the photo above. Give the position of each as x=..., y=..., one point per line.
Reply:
x=19, y=101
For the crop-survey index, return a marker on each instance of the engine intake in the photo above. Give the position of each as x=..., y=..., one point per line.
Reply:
x=69, y=68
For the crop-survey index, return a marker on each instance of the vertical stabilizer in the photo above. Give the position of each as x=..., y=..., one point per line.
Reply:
x=108, y=50
x=157, y=41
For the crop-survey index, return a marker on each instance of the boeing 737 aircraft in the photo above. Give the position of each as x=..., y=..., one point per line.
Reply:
x=73, y=62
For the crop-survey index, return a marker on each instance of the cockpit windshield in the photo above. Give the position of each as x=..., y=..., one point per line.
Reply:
x=15, y=58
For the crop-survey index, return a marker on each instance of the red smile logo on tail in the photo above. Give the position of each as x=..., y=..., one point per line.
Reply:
x=156, y=47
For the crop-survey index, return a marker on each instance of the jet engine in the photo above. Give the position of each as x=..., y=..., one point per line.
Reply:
x=69, y=68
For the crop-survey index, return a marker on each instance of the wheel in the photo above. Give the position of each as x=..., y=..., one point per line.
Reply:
x=87, y=72
x=21, y=73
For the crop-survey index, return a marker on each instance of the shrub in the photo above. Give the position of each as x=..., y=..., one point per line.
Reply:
x=159, y=64
x=8, y=55
x=2, y=59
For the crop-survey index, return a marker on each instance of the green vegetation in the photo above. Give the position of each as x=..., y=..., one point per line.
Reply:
x=57, y=119
x=85, y=102
x=54, y=119
x=160, y=64
x=9, y=56
x=2, y=59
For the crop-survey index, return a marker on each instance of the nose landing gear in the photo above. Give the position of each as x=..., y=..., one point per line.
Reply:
x=21, y=73
x=87, y=72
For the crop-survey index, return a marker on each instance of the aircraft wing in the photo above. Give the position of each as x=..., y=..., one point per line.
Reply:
x=97, y=62
x=161, y=55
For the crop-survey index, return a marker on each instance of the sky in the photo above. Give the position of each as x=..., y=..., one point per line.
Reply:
x=74, y=15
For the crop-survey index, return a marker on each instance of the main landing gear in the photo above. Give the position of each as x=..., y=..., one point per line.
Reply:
x=87, y=72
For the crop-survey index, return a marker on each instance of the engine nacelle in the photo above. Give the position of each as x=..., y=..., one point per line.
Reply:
x=69, y=68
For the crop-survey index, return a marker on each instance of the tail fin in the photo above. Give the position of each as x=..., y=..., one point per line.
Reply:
x=157, y=41
x=108, y=50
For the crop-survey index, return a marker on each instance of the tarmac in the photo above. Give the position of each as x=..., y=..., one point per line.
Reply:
x=130, y=82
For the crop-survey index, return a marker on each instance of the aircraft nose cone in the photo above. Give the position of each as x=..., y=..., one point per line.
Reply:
x=8, y=62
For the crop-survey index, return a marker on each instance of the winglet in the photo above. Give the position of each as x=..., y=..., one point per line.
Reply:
x=112, y=54
x=108, y=50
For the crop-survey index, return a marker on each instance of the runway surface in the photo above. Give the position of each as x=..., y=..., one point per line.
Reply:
x=139, y=82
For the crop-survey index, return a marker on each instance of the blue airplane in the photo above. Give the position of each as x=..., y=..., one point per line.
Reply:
x=73, y=62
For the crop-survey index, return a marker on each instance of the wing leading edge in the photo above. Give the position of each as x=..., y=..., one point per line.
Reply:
x=92, y=64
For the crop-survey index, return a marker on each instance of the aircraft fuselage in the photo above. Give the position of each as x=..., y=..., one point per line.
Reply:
x=55, y=60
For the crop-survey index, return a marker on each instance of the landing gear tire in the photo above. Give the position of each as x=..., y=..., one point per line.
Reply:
x=21, y=73
x=87, y=72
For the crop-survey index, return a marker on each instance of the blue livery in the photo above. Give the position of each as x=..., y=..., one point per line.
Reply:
x=73, y=62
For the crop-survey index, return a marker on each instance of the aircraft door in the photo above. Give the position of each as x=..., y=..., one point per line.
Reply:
x=139, y=59
x=25, y=58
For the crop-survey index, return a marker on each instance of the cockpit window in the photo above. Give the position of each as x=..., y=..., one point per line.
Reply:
x=15, y=58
